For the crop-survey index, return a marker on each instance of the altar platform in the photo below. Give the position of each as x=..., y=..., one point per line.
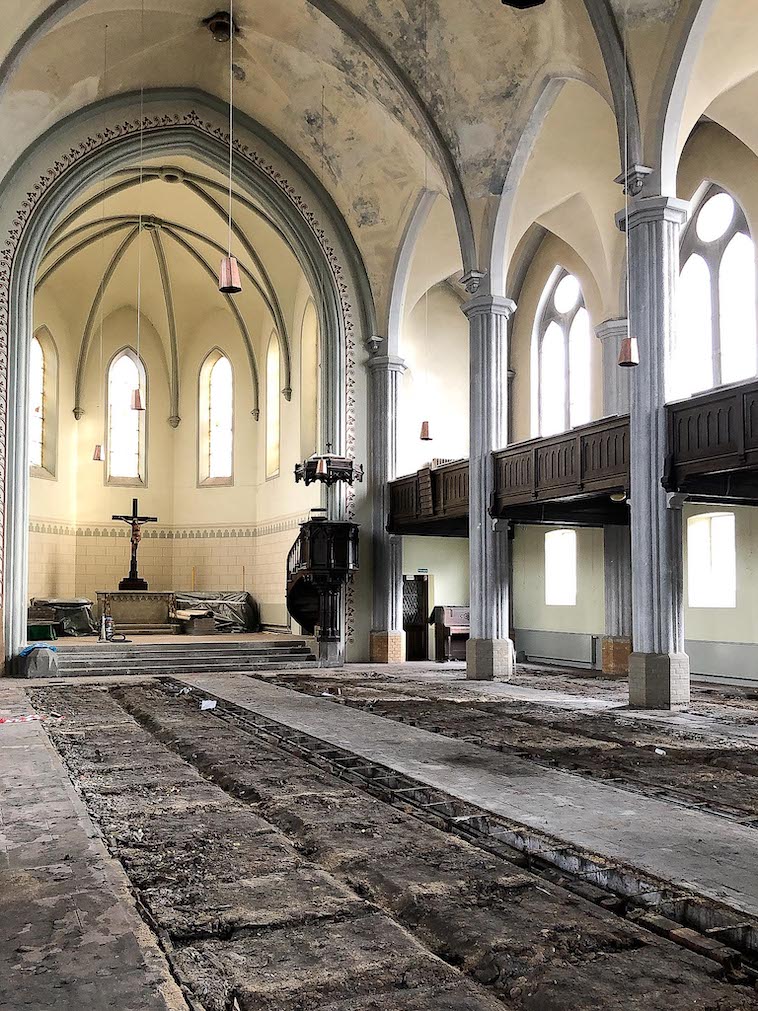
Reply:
x=140, y=612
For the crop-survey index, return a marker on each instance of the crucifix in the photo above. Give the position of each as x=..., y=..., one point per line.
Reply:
x=133, y=581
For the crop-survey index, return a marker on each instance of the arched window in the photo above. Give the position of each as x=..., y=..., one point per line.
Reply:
x=216, y=420
x=126, y=427
x=36, y=403
x=716, y=309
x=43, y=404
x=309, y=381
x=564, y=356
x=273, y=382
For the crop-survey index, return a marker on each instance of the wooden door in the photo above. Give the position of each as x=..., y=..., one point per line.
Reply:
x=416, y=616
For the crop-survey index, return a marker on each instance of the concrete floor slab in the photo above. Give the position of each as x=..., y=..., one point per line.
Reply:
x=70, y=934
x=710, y=855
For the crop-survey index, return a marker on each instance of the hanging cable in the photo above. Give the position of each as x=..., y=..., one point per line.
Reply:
x=137, y=404
x=97, y=455
x=425, y=434
x=231, y=118
x=629, y=354
x=229, y=282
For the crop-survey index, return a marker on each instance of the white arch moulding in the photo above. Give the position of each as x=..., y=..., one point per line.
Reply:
x=60, y=167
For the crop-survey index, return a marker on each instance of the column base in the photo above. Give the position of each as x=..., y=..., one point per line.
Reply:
x=386, y=647
x=659, y=680
x=330, y=653
x=616, y=650
x=489, y=658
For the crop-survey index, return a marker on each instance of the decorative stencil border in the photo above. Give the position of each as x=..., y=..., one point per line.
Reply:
x=158, y=532
x=67, y=162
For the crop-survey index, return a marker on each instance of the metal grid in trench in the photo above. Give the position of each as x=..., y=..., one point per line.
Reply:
x=710, y=929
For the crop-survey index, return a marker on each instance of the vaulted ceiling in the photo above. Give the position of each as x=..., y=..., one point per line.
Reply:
x=95, y=258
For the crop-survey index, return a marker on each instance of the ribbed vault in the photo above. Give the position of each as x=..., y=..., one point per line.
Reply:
x=175, y=218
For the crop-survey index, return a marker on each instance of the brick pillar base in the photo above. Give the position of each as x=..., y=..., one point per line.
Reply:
x=616, y=652
x=659, y=680
x=387, y=647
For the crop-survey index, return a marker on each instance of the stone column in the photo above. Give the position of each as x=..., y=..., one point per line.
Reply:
x=616, y=381
x=387, y=639
x=489, y=651
x=659, y=670
x=617, y=641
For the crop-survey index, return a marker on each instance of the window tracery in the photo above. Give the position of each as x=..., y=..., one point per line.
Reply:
x=126, y=427
x=564, y=358
x=716, y=307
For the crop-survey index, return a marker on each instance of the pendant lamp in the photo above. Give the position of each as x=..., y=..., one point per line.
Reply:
x=137, y=404
x=98, y=454
x=629, y=355
x=229, y=276
x=229, y=272
x=425, y=436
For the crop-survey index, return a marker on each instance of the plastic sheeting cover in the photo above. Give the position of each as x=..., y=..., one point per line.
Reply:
x=232, y=610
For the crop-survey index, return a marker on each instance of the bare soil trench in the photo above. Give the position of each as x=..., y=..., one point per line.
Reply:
x=273, y=885
x=721, y=777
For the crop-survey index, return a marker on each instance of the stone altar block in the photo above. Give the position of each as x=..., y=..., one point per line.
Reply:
x=140, y=608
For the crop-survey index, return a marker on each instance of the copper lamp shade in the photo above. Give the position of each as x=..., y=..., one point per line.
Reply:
x=322, y=468
x=425, y=436
x=97, y=456
x=137, y=404
x=229, y=276
x=629, y=355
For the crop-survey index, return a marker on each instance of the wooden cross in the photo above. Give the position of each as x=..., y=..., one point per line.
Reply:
x=133, y=581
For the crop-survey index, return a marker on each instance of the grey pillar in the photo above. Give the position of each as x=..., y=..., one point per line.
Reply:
x=616, y=381
x=387, y=641
x=617, y=640
x=489, y=652
x=659, y=671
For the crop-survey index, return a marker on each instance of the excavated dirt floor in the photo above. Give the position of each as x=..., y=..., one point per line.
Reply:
x=273, y=885
x=720, y=776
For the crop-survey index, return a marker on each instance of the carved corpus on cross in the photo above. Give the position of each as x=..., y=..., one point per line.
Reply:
x=133, y=581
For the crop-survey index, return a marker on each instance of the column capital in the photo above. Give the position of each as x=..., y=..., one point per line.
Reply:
x=386, y=363
x=489, y=305
x=612, y=329
x=644, y=210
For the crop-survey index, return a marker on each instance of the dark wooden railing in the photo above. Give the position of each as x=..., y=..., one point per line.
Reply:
x=582, y=466
x=592, y=459
x=713, y=443
x=432, y=496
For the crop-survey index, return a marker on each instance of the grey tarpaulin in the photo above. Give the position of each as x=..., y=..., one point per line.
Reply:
x=75, y=615
x=232, y=610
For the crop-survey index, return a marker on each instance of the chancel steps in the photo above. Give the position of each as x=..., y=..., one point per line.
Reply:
x=186, y=657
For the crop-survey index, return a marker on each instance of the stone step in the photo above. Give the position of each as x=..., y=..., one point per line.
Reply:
x=191, y=644
x=128, y=629
x=177, y=669
x=128, y=652
x=207, y=659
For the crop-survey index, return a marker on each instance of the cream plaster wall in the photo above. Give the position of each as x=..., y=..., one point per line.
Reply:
x=434, y=387
x=728, y=624
x=571, y=194
x=529, y=608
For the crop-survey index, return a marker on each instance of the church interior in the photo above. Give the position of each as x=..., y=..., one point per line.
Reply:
x=378, y=458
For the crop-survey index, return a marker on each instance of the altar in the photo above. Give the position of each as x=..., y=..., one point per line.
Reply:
x=140, y=610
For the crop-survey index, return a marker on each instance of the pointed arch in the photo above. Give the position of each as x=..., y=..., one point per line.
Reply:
x=273, y=406
x=215, y=428
x=125, y=428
